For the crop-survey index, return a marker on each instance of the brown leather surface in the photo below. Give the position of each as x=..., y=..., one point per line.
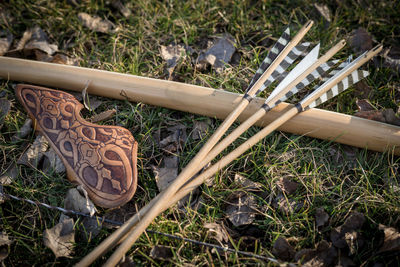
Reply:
x=100, y=158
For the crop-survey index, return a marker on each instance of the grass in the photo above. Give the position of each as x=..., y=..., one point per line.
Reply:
x=338, y=178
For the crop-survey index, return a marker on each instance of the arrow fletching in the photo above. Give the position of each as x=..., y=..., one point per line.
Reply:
x=316, y=74
x=286, y=62
x=341, y=86
x=305, y=63
x=272, y=55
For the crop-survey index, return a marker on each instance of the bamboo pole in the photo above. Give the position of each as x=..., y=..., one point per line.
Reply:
x=191, y=168
x=215, y=103
x=141, y=226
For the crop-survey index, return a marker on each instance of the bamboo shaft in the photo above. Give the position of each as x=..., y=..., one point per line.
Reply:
x=315, y=123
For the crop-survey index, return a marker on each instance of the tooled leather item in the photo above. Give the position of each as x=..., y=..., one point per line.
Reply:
x=100, y=158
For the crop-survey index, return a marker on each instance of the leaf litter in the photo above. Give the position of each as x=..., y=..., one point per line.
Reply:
x=5, y=106
x=368, y=111
x=5, y=243
x=61, y=238
x=218, y=232
x=160, y=252
x=77, y=199
x=6, y=39
x=96, y=24
x=218, y=54
x=241, y=208
x=391, y=240
x=173, y=54
x=35, y=152
x=348, y=234
x=283, y=250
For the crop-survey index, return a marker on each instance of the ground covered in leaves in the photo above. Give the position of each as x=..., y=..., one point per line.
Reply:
x=290, y=198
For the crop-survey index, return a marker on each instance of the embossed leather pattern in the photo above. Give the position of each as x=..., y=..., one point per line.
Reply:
x=100, y=158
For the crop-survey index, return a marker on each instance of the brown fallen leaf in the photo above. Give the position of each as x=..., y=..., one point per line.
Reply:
x=6, y=39
x=200, y=129
x=165, y=175
x=125, y=10
x=5, y=243
x=52, y=162
x=247, y=184
x=23, y=132
x=9, y=175
x=241, y=208
x=321, y=217
x=287, y=186
x=218, y=232
x=60, y=58
x=77, y=199
x=96, y=24
x=352, y=224
x=5, y=106
x=175, y=140
x=362, y=90
x=391, y=240
x=161, y=252
x=324, y=11
x=283, y=250
x=354, y=241
x=34, y=154
x=323, y=255
x=219, y=54
x=360, y=40
x=364, y=105
x=172, y=54
x=61, y=238
x=286, y=205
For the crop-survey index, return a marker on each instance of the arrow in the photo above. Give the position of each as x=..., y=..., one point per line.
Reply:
x=320, y=91
x=190, y=169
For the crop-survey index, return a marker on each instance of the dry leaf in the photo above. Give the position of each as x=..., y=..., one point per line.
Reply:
x=241, y=208
x=175, y=140
x=77, y=199
x=283, y=250
x=60, y=58
x=35, y=152
x=286, y=205
x=200, y=129
x=353, y=223
x=247, y=184
x=362, y=89
x=96, y=24
x=24, y=131
x=9, y=175
x=103, y=116
x=5, y=106
x=392, y=239
x=364, y=105
x=61, y=238
x=218, y=232
x=391, y=117
x=354, y=241
x=321, y=217
x=219, y=54
x=172, y=54
x=287, y=186
x=52, y=162
x=165, y=175
x=5, y=243
x=323, y=255
x=124, y=10
x=360, y=40
x=324, y=11
x=6, y=39
x=161, y=252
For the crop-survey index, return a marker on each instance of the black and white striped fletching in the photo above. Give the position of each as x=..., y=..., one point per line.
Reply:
x=341, y=86
x=272, y=55
x=286, y=62
x=318, y=73
x=304, y=64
